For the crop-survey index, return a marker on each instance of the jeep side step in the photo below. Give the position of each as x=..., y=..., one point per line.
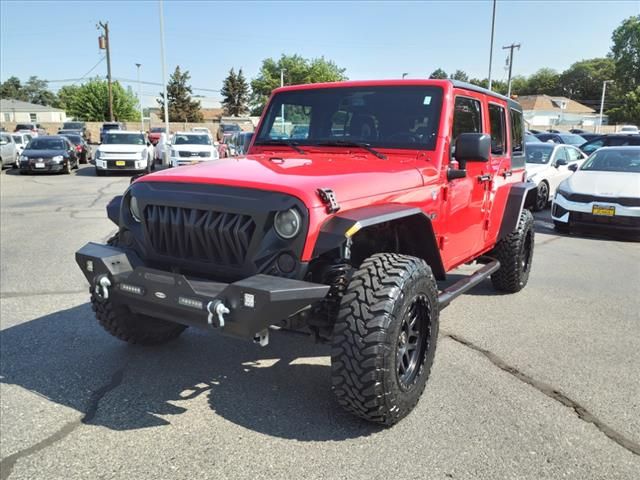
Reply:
x=461, y=286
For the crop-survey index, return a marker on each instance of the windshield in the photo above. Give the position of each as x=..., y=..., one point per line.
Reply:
x=230, y=127
x=25, y=126
x=572, y=139
x=124, y=139
x=617, y=160
x=192, y=140
x=75, y=139
x=110, y=126
x=72, y=126
x=18, y=139
x=385, y=116
x=539, y=154
x=158, y=130
x=47, y=144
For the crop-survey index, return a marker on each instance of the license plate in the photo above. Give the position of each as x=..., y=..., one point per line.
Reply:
x=605, y=211
x=39, y=165
x=120, y=163
x=194, y=162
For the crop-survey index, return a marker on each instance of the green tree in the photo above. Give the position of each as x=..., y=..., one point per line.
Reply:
x=519, y=84
x=90, y=102
x=629, y=109
x=545, y=81
x=497, y=86
x=66, y=95
x=181, y=107
x=459, y=75
x=34, y=90
x=235, y=93
x=438, y=74
x=12, y=88
x=626, y=54
x=297, y=70
x=582, y=81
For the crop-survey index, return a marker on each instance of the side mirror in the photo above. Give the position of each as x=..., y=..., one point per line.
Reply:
x=573, y=167
x=560, y=162
x=148, y=144
x=472, y=147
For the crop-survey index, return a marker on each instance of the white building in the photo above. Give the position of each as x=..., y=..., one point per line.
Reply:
x=548, y=111
x=17, y=111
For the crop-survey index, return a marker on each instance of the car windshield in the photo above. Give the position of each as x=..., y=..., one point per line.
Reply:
x=75, y=139
x=192, y=140
x=111, y=126
x=24, y=126
x=539, y=153
x=617, y=160
x=158, y=130
x=377, y=116
x=72, y=126
x=230, y=127
x=124, y=139
x=572, y=139
x=47, y=144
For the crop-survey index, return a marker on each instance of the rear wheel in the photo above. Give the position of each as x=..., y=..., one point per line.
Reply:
x=384, y=338
x=515, y=253
x=542, y=197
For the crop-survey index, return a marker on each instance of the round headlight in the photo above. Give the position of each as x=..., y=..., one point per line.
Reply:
x=287, y=223
x=135, y=209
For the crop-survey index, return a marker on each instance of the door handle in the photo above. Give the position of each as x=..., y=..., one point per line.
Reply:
x=507, y=173
x=484, y=178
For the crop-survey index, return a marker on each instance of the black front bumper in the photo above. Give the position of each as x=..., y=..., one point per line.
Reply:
x=254, y=303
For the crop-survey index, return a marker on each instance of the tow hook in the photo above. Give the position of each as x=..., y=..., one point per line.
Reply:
x=217, y=310
x=102, y=288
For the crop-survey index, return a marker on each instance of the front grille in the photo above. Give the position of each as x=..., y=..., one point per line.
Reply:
x=202, y=235
x=183, y=153
x=613, y=221
x=127, y=164
x=583, y=198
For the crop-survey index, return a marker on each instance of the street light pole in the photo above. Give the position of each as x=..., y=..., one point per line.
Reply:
x=493, y=26
x=604, y=90
x=138, y=65
x=165, y=159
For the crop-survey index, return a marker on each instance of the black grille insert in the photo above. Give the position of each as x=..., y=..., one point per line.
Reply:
x=194, y=234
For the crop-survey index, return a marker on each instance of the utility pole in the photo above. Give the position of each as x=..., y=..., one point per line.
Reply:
x=105, y=28
x=510, y=48
x=493, y=26
x=282, y=108
x=604, y=90
x=138, y=65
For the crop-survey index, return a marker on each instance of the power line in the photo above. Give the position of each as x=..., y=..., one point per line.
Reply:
x=128, y=80
x=90, y=70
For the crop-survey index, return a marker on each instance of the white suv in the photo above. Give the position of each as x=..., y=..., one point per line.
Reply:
x=123, y=150
x=547, y=166
x=191, y=147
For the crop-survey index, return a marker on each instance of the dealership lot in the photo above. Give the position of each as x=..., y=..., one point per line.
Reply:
x=541, y=384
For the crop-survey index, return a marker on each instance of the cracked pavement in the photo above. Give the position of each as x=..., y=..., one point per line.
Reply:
x=541, y=384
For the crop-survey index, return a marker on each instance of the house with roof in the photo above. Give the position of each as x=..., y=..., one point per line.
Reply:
x=549, y=111
x=17, y=111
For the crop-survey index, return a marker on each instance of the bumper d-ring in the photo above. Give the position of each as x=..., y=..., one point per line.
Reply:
x=217, y=310
x=102, y=287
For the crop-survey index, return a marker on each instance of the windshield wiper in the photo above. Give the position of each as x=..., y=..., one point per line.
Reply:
x=350, y=143
x=288, y=143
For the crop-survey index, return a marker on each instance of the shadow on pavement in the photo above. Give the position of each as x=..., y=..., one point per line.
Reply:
x=280, y=390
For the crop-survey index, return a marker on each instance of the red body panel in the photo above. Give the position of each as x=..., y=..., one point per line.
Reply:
x=466, y=213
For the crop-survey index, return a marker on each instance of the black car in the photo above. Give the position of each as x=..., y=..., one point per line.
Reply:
x=53, y=153
x=611, y=140
x=77, y=127
x=82, y=148
x=566, y=138
x=577, y=131
x=590, y=136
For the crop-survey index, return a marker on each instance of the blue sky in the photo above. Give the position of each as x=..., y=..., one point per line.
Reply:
x=58, y=40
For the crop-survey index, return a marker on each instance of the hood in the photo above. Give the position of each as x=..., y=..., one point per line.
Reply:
x=43, y=153
x=116, y=148
x=350, y=177
x=192, y=148
x=614, y=184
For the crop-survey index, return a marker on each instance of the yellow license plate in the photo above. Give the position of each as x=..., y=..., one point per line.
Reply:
x=120, y=163
x=604, y=211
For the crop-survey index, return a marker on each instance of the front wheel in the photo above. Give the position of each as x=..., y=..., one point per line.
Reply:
x=384, y=338
x=68, y=167
x=542, y=197
x=515, y=253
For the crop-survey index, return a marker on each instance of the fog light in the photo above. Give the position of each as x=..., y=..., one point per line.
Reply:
x=190, y=302
x=286, y=263
x=131, y=289
x=89, y=265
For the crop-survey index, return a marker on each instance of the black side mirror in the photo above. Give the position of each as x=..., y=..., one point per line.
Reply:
x=472, y=147
x=573, y=167
x=560, y=162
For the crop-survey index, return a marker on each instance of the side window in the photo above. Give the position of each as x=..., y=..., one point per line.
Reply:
x=561, y=154
x=517, y=133
x=498, y=130
x=574, y=154
x=467, y=117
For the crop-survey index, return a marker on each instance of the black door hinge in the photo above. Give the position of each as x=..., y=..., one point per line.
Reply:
x=329, y=199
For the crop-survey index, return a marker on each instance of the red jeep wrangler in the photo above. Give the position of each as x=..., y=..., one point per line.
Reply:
x=343, y=234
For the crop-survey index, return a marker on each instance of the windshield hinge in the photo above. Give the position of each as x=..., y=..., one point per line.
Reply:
x=329, y=199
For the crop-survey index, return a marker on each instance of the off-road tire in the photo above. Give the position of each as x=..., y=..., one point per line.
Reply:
x=542, y=197
x=131, y=327
x=374, y=312
x=515, y=254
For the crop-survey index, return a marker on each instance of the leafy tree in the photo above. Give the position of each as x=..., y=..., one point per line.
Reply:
x=181, y=107
x=545, y=81
x=459, y=75
x=629, y=109
x=235, y=93
x=583, y=80
x=66, y=95
x=297, y=70
x=519, y=84
x=626, y=54
x=439, y=74
x=90, y=101
x=497, y=86
x=34, y=91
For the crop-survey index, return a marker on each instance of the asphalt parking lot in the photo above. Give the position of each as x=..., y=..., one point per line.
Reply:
x=540, y=384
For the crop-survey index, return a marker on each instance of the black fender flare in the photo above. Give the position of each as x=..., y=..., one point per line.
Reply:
x=521, y=195
x=345, y=225
x=113, y=209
